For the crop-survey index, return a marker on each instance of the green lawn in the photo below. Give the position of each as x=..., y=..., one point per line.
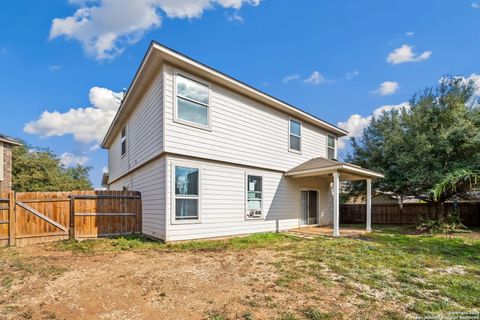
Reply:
x=420, y=274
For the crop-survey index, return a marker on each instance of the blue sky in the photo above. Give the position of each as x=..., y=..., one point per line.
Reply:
x=340, y=59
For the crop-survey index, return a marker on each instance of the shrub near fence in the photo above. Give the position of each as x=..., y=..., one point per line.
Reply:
x=32, y=217
x=411, y=213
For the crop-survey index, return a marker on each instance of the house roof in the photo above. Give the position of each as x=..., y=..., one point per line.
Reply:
x=8, y=140
x=157, y=54
x=322, y=166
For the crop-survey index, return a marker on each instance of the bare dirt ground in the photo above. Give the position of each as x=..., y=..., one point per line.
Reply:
x=40, y=282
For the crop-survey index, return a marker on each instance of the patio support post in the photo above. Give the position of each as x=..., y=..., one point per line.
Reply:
x=336, y=204
x=369, y=204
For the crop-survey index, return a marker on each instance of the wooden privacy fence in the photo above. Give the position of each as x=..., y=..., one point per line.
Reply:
x=411, y=213
x=33, y=217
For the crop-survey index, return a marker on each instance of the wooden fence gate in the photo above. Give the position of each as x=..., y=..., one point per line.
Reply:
x=33, y=217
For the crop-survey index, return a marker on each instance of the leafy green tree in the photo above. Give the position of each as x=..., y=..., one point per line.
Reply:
x=41, y=170
x=418, y=146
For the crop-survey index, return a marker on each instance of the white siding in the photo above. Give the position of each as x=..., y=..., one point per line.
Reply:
x=243, y=131
x=150, y=181
x=222, y=201
x=144, y=133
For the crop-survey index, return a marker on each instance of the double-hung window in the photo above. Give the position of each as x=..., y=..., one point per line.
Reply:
x=187, y=193
x=193, y=102
x=123, y=140
x=295, y=136
x=332, y=147
x=254, y=197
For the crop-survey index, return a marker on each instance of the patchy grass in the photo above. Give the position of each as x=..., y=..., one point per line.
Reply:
x=428, y=273
x=392, y=273
x=139, y=242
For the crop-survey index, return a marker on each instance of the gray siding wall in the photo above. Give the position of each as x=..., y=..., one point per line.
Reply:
x=243, y=132
x=223, y=201
x=150, y=181
x=144, y=133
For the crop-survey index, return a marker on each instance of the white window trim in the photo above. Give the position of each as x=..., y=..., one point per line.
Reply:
x=124, y=139
x=290, y=133
x=334, y=148
x=262, y=215
x=173, y=218
x=175, y=102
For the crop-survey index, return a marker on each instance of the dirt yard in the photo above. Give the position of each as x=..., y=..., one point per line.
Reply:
x=259, y=277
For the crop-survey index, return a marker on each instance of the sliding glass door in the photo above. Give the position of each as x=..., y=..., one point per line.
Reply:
x=309, y=203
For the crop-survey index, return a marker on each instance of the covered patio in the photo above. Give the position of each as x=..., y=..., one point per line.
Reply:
x=337, y=171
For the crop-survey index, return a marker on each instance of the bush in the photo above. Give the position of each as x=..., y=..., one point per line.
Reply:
x=451, y=223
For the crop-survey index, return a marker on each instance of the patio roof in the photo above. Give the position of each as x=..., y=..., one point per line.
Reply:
x=321, y=166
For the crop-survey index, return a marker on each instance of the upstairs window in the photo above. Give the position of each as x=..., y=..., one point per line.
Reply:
x=295, y=136
x=187, y=195
x=123, y=140
x=193, y=102
x=254, y=197
x=332, y=147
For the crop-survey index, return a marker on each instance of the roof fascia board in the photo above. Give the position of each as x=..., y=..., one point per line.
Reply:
x=11, y=142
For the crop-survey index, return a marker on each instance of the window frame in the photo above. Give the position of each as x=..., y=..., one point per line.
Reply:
x=176, y=96
x=262, y=199
x=123, y=139
x=174, y=196
x=290, y=119
x=334, y=147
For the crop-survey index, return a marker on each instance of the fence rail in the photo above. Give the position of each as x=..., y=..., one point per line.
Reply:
x=410, y=213
x=32, y=217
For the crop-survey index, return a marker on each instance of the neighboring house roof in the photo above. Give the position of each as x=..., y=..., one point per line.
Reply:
x=8, y=140
x=157, y=54
x=322, y=165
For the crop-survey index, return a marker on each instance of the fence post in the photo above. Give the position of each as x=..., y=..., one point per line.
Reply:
x=11, y=218
x=71, y=229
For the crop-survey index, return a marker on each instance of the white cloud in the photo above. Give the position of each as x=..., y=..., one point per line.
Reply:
x=387, y=88
x=104, y=170
x=55, y=67
x=291, y=77
x=70, y=160
x=235, y=17
x=105, y=27
x=352, y=74
x=409, y=34
x=94, y=148
x=475, y=5
x=356, y=123
x=475, y=78
x=316, y=78
x=405, y=54
x=87, y=125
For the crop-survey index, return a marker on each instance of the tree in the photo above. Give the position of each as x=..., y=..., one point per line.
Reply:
x=417, y=147
x=41, y=170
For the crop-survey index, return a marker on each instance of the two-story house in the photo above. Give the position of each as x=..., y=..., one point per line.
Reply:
x=215, y=157
x=6, y=146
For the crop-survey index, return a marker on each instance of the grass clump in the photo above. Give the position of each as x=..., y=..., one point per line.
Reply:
x=315, y=314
